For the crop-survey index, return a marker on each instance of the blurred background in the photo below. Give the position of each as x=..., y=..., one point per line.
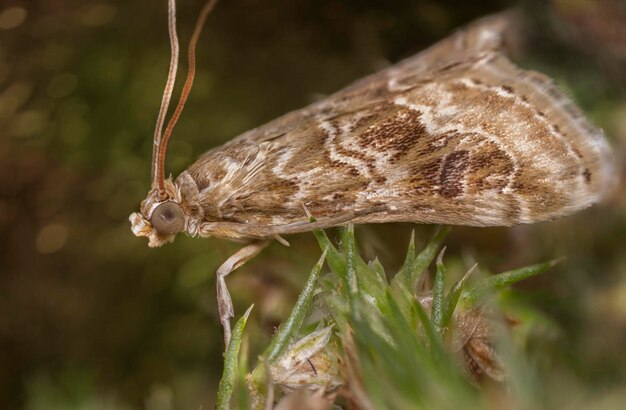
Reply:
x=92, y=318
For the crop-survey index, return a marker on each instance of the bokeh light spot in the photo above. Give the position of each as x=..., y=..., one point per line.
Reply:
x=12, y=17
x=62, y=85
x=29, y=123
x=51, y=238
x=97, y=15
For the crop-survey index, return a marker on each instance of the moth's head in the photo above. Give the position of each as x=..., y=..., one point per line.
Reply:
x=168, y=209
x=161, y=215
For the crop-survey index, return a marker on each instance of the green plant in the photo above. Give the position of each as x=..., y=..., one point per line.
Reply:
x=380, y=343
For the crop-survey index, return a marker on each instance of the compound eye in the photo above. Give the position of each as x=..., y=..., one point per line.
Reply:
x=168, y=218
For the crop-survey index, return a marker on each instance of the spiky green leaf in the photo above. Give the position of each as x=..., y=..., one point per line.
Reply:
x=231, y=363
x=290, y=327
x=505, y=279
x=437, y=307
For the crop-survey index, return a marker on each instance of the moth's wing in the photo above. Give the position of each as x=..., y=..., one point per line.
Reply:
x=487, y=34
x=454, y=135
x=453, y=52
x=484, y=143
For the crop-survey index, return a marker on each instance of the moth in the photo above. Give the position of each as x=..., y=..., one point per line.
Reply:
x=456, y=135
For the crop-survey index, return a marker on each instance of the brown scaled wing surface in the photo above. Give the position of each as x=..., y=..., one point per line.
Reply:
x=454, y=135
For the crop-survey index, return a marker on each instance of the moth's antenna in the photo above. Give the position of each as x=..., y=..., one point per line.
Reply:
x=208, y=7
x=169, y=88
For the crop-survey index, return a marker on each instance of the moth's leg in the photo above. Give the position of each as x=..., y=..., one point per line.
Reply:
x=224, y=302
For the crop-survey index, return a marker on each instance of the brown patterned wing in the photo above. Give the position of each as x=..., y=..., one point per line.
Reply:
x=470, y=140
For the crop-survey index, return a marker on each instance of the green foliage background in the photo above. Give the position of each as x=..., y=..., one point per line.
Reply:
x=90, y=317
